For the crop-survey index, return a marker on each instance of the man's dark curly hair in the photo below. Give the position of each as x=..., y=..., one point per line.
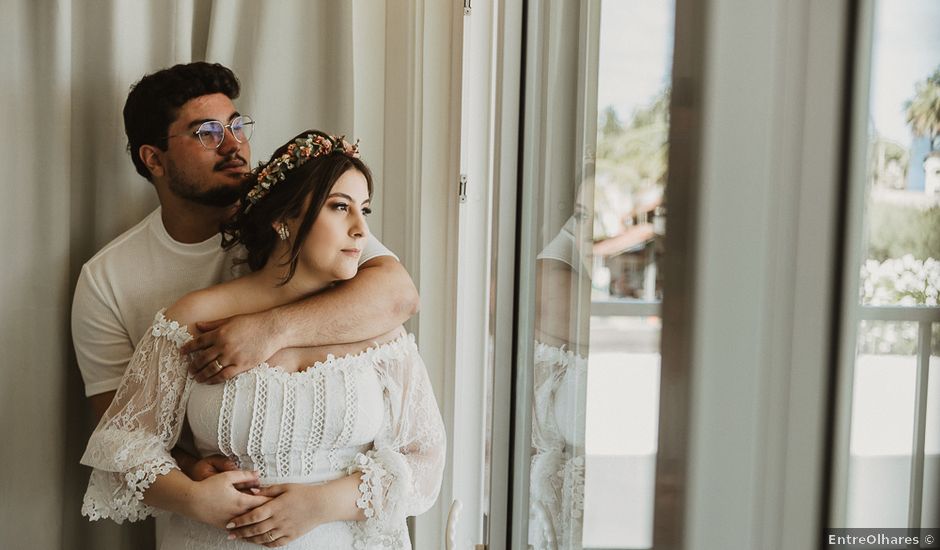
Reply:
x=154, y=102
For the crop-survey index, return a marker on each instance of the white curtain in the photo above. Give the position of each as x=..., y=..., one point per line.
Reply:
x=69, y=187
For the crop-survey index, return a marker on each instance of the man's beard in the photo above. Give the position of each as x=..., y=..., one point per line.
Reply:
x=184, y=187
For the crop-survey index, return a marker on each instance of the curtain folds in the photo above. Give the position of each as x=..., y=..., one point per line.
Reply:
x=70, y=187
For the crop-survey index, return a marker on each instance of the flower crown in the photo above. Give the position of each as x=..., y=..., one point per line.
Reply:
x=300, y=151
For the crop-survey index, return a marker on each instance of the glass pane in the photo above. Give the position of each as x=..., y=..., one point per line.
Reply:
x=931, y=498
x=602, y=117
x=899, y=282
x=559, y=189
x=634, y=83
x=621, y=432
x=882, y=425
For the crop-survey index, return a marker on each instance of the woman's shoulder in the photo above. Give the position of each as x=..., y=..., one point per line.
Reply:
x=199, y=305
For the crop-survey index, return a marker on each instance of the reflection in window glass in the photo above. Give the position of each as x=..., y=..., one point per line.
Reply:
x=621, y=432
x=635, y=64
x=882, y=426
x=930, y=515
x=632, y=146
x=889, y=463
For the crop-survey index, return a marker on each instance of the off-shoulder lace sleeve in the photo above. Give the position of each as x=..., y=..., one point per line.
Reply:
x=401, y=475
x=131, y=445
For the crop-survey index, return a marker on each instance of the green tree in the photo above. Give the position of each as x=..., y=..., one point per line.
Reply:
x=923, y=110
x=610, y=123
x=635, y=156
x=631, y=157
x=657, y=112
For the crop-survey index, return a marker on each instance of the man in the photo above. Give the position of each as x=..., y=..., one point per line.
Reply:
x=186, y=137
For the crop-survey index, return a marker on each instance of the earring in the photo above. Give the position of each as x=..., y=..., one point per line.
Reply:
x=283, y=232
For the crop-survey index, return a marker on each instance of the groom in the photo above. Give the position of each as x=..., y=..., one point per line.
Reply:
x=187, y=139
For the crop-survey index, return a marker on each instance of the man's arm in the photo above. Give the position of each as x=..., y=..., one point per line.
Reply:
x=101, y=402
x=377, y=300
x=103, y=349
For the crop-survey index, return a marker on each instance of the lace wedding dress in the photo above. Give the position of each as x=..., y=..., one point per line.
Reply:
x=372, y=412
x=556, y=476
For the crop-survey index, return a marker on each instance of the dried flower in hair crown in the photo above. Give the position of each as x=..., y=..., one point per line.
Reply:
x=300, y=151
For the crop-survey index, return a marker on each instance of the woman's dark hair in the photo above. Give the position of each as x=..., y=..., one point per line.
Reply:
x=315, y=178
x=154, y=102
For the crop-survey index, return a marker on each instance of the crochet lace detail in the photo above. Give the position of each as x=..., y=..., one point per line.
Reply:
x=225, y=417
x=255, y=450
x=317, y=424
x=557, y=468
x=127, y=501
x=285, y=438
x=395, y=473
x=145, y=416
x=171, y=330
x=396, y=428
x=349, y=418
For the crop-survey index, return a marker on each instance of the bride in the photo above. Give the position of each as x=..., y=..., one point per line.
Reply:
x=345, y=448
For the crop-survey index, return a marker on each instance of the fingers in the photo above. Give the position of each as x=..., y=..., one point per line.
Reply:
x=250, y=502
x=221, y=463
x=248, y=485
x=272, y=491
x=236, y=477
x=210, y=466
x=204, y=340
x=251, y=523
x=261, y=533
x=204, y=362
x=197, y=343
x=221, y=376
x=197, y=366
x=209, y=326
x=215, y=372
x=266, y=534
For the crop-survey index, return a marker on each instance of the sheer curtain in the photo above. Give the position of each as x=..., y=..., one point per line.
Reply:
x=69, y=188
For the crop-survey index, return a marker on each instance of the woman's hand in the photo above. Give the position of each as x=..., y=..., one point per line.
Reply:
x=216, y=499
x=293, y=510
x=296, y=509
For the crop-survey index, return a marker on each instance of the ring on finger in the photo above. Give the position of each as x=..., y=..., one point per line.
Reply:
x=218, y=366
x=270, y=535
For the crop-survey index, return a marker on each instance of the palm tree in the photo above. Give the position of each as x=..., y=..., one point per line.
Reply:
x=923, y=110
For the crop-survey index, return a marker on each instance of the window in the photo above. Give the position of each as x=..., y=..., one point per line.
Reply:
x=891, y=463
x=592, y=222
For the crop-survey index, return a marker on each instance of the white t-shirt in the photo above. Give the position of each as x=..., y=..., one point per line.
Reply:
x=134, y=276
x=564, y=247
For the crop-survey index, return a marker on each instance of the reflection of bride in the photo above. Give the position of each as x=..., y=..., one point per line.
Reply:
x=560, y=378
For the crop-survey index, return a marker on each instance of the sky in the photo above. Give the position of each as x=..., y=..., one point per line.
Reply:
x=635, y=54
x=906, y=49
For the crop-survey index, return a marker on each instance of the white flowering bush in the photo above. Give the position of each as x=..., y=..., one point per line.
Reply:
x=903, y=281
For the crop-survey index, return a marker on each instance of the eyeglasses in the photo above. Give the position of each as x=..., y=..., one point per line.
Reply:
x=211, y=133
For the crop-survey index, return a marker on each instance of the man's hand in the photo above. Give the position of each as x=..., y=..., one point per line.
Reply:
x=236, y=344
x=209, y=466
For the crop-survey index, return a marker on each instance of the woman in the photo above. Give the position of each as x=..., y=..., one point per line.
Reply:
x=345, y=448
